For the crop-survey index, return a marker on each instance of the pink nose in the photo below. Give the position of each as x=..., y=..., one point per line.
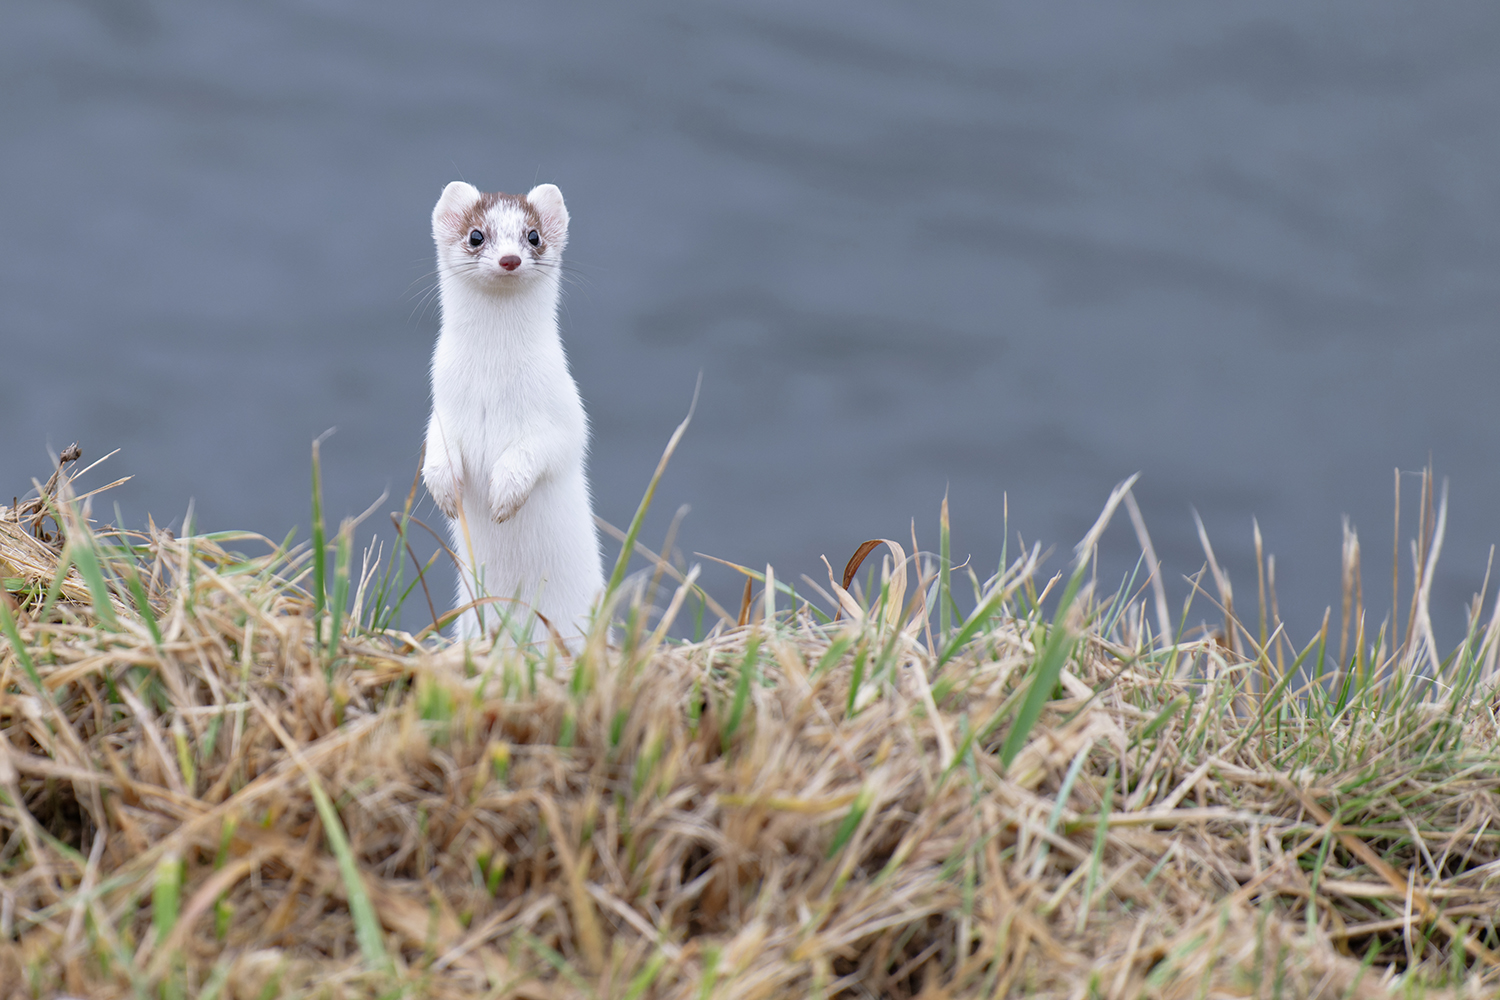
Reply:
x=510, y=262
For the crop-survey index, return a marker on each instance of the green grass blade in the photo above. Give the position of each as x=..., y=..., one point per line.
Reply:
x=631, y=533
x=166, y=896
x=643, y=979
x=836, y=651
x=555, y=959
x=945, y=581
x=361, y=910
x=851, y=821
x=319, y=541
x=975, y=622
x=81, y=552
x=1168, y=711
x=856, y=681
x=1044, y=676
x=142, y=604
x=13, y=636
x=343, y=554
x=366, y=925
x=54, y=589
x=1096, y=859
x=741, y=691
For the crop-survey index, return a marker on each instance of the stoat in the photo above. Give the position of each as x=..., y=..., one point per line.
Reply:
x=508, y=436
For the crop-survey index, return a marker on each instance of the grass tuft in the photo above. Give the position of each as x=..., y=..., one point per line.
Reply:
x=225, y=773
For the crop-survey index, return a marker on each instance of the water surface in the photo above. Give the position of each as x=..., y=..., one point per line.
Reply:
x=1013, y=252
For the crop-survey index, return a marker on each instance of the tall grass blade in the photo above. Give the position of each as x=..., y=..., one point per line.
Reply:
x=945, y=573
x=343, y=555
x=23, y=656
x=1059, y=644
x=319, y=540
x=82, y=554
x=366, y=925
x=618, y=576
x=1044, y=676
x=742, y=688
x=166, y=896
x=142, y=603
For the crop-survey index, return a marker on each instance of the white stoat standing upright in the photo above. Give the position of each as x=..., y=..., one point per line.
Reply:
x=507, y=439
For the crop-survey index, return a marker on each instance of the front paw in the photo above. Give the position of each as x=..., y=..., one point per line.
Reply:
x=505, y=506
x=506, y=497
x=444, y=487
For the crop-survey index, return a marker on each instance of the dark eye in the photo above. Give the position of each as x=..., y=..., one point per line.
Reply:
x=533, y=238
x=475, y=238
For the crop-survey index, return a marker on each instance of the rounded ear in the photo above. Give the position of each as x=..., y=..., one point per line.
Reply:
x=456, y=199
x=548, y=202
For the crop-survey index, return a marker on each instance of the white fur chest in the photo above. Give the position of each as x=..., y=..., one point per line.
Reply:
x=499, y=376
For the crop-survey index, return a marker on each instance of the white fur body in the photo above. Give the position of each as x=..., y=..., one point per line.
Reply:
x=508, y=438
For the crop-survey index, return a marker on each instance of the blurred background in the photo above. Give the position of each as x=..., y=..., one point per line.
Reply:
x=1016, y=252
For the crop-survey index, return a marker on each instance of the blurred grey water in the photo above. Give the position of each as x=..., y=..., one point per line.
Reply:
x=1012, y=251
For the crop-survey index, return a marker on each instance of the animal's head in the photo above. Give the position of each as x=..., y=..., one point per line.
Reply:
x=500, y=242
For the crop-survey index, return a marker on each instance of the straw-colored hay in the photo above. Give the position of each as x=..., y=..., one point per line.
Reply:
x=710, y=819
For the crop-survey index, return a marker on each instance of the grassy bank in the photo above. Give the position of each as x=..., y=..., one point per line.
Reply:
x=222, y=774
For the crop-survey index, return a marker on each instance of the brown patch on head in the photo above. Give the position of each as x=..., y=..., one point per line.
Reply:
x=478, y=214
x=533, y=221
x=474, y=218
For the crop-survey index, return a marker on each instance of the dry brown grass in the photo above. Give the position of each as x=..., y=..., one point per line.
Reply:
x=721, y=818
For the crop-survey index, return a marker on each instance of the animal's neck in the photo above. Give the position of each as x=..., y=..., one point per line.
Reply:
x=527, y=318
